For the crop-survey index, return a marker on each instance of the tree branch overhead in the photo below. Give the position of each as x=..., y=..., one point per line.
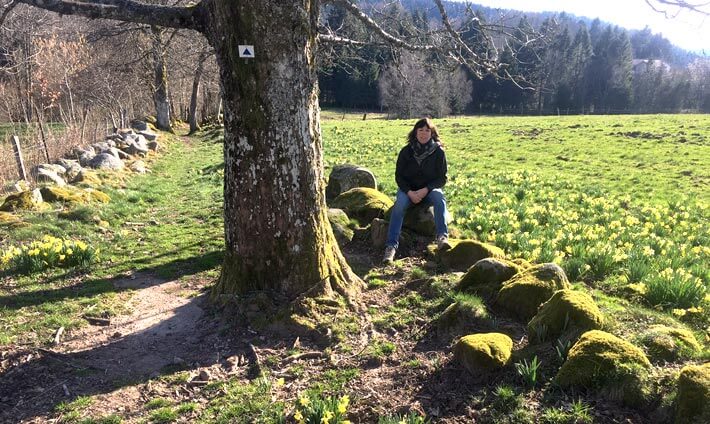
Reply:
x=190, y=17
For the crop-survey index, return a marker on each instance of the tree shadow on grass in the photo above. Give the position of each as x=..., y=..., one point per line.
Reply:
x=181, y=334
x=40, y=379
x=90, y=288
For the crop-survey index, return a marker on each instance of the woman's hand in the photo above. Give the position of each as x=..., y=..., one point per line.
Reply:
x=416, y=196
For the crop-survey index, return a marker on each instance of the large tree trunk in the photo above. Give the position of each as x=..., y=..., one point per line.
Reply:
x=278, y=238
x=160, y=82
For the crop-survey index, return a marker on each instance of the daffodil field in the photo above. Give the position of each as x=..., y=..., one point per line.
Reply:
x=620, y=203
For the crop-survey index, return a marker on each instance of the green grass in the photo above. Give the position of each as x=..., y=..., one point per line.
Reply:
x=609, y=198
x=243, y=403
x=175, y=229
x=573, y=194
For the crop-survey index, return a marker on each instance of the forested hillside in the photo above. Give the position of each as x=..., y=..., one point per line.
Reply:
x=565, y=64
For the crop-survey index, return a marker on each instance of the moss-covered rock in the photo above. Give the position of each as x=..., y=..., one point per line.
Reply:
x=464, y=253
x=26, y=200
x=613, y=366
x=486, y=276
x=460, y=314
x=73, y=195
x=483, y=352
x=566, y=311
x=693, y=400
x=7, y=218
x=523, y=294
x=363, y=204
x=340, y=223
x=522, y=263
x=669, y=344
x=87, y=178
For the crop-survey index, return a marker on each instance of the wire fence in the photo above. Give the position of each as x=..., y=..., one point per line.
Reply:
x=57, y=143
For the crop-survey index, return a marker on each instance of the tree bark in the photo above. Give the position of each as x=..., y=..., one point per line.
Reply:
x=160, y=81
x=278, y=237
x=192, y=114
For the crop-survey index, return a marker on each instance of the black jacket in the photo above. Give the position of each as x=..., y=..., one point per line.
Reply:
x=412, y=176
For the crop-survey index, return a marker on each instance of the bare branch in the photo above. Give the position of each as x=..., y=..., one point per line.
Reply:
x=127, y=10
x=371, y=24
x=7, y=11
x=702, y=8
x=332, y=38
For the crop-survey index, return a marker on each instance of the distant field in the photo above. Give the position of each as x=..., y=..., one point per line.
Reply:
x=612, y=198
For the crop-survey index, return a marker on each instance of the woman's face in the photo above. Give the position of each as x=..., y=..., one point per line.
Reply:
x=423, y=134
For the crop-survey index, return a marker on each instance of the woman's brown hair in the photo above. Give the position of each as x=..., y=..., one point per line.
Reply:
x=424, y=122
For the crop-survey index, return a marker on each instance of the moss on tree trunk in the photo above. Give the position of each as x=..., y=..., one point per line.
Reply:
x=278, y=238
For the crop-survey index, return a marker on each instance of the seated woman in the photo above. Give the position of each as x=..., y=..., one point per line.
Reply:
x=420, y=175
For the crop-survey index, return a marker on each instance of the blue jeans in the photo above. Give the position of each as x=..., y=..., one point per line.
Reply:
x=402, y=203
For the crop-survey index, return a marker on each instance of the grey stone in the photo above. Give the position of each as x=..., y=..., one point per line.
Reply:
x=72, y=168
x=47, y=176
x=138, y=167
x=85, y=157
x=149, y=135
x=346, y=177
x=550, y=272
x=55, y=168
x=378, y=232
x=106, y=161
x=139, y=125
x=153, y=145
x=339, y=221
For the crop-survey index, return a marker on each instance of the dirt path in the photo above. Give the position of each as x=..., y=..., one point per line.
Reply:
x=167, y=329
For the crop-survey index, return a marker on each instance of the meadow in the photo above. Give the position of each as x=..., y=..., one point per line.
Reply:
x=620, y=202
x=615, y=200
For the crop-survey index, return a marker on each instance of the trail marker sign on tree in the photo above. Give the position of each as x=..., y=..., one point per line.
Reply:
x=246, y=51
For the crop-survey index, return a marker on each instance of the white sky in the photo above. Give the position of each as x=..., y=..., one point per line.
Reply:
x=687, y=30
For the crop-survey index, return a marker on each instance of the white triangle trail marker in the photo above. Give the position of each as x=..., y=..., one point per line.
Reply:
x=246, y=51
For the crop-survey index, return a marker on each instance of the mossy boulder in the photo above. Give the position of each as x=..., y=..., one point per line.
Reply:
x=669, y=344
x=7, y=218
x=73, y=195
x=483, y=352
x=613, y=366
x=461, y=314
x=340, y=223
x=693, y=400
x=87, y=178
x=345, y=177
x=523, y=294
x=464, y=253
x=486, y=276
x=363, y=204
x=26, y=200
x=566, y=311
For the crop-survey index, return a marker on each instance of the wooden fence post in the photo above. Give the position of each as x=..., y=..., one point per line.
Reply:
x=18, y=156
